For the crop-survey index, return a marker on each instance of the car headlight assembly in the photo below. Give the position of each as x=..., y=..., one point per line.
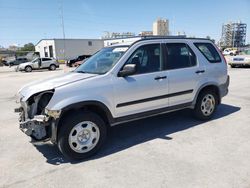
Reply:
x=53, y=113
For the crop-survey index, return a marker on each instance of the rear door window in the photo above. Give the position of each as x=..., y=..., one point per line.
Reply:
x=209, y=51
x=46, y=59
x=179, y=55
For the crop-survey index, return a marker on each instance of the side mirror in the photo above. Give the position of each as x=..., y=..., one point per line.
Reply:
x=127, y=70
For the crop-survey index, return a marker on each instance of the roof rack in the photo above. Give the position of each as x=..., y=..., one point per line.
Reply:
x=143, y=38
x=163, y=36
x=171, y=37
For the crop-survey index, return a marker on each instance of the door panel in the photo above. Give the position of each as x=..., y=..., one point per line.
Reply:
x=183, y=76
x=46, y=62
x=140, y=93
x=35, y=64
x=184, y=82
x=147, y=89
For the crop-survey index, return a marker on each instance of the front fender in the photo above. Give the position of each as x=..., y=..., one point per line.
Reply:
x=61, y=104
x=77, y=105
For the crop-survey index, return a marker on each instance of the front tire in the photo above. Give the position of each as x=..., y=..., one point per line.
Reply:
x=52, y=67
x=28, y=69
x=233, y=66
x=206, y=105
x=81, y=135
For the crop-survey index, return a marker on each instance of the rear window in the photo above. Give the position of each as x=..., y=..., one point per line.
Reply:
x=179, y=55
x=209, y=51
x=46, y=59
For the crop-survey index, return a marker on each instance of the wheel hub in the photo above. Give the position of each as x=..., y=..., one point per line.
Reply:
x=83, y=136
x=208, y=105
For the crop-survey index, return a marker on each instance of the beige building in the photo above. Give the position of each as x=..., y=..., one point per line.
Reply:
x=161, y=27
x=145, y=33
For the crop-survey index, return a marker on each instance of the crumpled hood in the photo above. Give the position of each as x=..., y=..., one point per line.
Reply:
x=51, y=83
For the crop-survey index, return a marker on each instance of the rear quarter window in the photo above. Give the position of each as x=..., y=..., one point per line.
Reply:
x=46, y=59
x=209, y=51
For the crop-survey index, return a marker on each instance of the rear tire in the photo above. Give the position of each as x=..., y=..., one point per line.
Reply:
x=232, y=66
x=52, y=67
x=81, y=135
x=206, y=105
x=28, y=69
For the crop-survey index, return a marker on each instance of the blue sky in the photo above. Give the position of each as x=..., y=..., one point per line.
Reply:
x=23, y=21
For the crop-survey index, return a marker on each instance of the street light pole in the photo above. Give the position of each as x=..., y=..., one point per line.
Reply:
x=63, y=31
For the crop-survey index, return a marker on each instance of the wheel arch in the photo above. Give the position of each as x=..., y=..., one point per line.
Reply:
x=28, y=66
x=208, y=86
x=52, y=64
x=93, y=106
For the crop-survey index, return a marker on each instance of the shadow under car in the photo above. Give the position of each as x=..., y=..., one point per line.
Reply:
x=127, y=135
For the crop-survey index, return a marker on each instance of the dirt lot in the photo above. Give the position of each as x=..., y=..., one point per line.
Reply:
x=172, y=150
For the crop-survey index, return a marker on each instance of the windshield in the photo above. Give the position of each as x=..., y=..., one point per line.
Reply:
x=34, y=60
x=102, y=61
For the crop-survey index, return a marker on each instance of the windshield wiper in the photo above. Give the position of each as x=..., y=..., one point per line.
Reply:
x=81, y=72
x=88, y=72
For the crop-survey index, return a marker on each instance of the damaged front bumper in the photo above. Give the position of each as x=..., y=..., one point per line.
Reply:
x=34, y=119
x=40, y=127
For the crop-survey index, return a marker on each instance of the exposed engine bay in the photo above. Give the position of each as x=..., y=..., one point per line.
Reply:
x=33, y=120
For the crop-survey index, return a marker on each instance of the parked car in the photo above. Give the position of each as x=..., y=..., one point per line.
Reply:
x=39, y=63
x=78, y=63
x=241, y=60
x=18, y=61
x=120, y=84
x=5, y=62
x=71, y=62
x=230, y=51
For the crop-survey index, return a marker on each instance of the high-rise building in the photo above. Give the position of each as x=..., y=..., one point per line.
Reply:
x=233, y=34
x=161, y=27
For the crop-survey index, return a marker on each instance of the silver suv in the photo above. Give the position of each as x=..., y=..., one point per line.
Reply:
x=123, y=83
x=39, y=63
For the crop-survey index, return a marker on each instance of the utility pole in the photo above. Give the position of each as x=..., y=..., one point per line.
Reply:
x=63, y=31
x=233, y=34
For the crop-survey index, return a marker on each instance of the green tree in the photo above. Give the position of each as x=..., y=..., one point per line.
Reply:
x=28, y=47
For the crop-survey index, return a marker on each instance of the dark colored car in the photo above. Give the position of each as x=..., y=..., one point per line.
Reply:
x=78, y=63
x=5, y=62
x=18, y=61
x=71, y=62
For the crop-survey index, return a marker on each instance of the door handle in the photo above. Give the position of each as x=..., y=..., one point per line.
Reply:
x=160, y=77
x=199, y=71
